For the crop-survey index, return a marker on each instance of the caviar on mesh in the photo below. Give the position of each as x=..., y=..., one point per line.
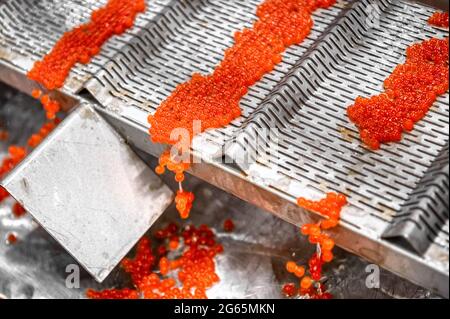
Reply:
x=439, y=19
x=214, y=99
x=410, y=91
x=82, y=43
x=185, y=277
x=329, y=207
x=17, y=153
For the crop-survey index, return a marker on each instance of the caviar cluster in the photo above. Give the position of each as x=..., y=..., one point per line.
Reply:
x=186, y=277
x=183, y=199
x=410, y=91
x=310, y=285
x=15, y=155
x=228, y=225
x=82, y=43
x=439, y=19
x=45, y=130
x=50, y=106
x=214, y=99
x=177, y=167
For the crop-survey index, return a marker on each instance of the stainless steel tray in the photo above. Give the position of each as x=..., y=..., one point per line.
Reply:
x=398, y=215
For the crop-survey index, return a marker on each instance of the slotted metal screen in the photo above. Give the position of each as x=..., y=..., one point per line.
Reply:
x=398, y=195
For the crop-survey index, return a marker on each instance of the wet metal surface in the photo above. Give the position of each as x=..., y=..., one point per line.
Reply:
x=252, y=265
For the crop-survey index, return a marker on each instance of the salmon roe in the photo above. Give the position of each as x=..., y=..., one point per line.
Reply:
x=410, y=91
x=228, y=225
x=82, y=43
x=50, y=106
x=18, y=210
x=289, y=290
x=185, y=277
x=184, y=201
x=15, y=155
x=439, y=19
x=214, y=99
x=11, y=238
x=4, y=135
x=329, y=207
x=45, y=130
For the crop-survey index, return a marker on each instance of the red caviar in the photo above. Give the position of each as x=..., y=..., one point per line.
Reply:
x=38, y=137
x=15, y=155
x=11, y=238
x=289, y=290
x=82, y=43
x=4, y=135
x=410, y=91
x=439, y=19
x=214, y=99
x=141, y=265
x=113, y=294
x=184, y=201
x=18, y=210
x=329, y=207
x=228, y=225
x=51, y=107
x=194, y=269
x=36, y=93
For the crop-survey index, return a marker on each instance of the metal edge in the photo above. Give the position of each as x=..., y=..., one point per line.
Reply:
x=400, y=262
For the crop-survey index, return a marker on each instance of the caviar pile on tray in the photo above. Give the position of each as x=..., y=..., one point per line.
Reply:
x=409, y=93
x=214, y=99
x=310, y=277
x=83, y=42
x=156, y=276
x=439, y=19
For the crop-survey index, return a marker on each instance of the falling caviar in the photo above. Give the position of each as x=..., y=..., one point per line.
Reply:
x=410, y=91
x=439, y=19
x=214, y=99
x=310, y=285
x=188, y=276
x=82, y=43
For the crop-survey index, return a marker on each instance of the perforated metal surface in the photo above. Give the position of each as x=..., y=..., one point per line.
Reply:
x=306, y=100
x=29, y=29
x=319, y=144
x=398, y=196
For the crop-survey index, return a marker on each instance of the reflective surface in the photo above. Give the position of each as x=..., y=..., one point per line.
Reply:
x=252, y=265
